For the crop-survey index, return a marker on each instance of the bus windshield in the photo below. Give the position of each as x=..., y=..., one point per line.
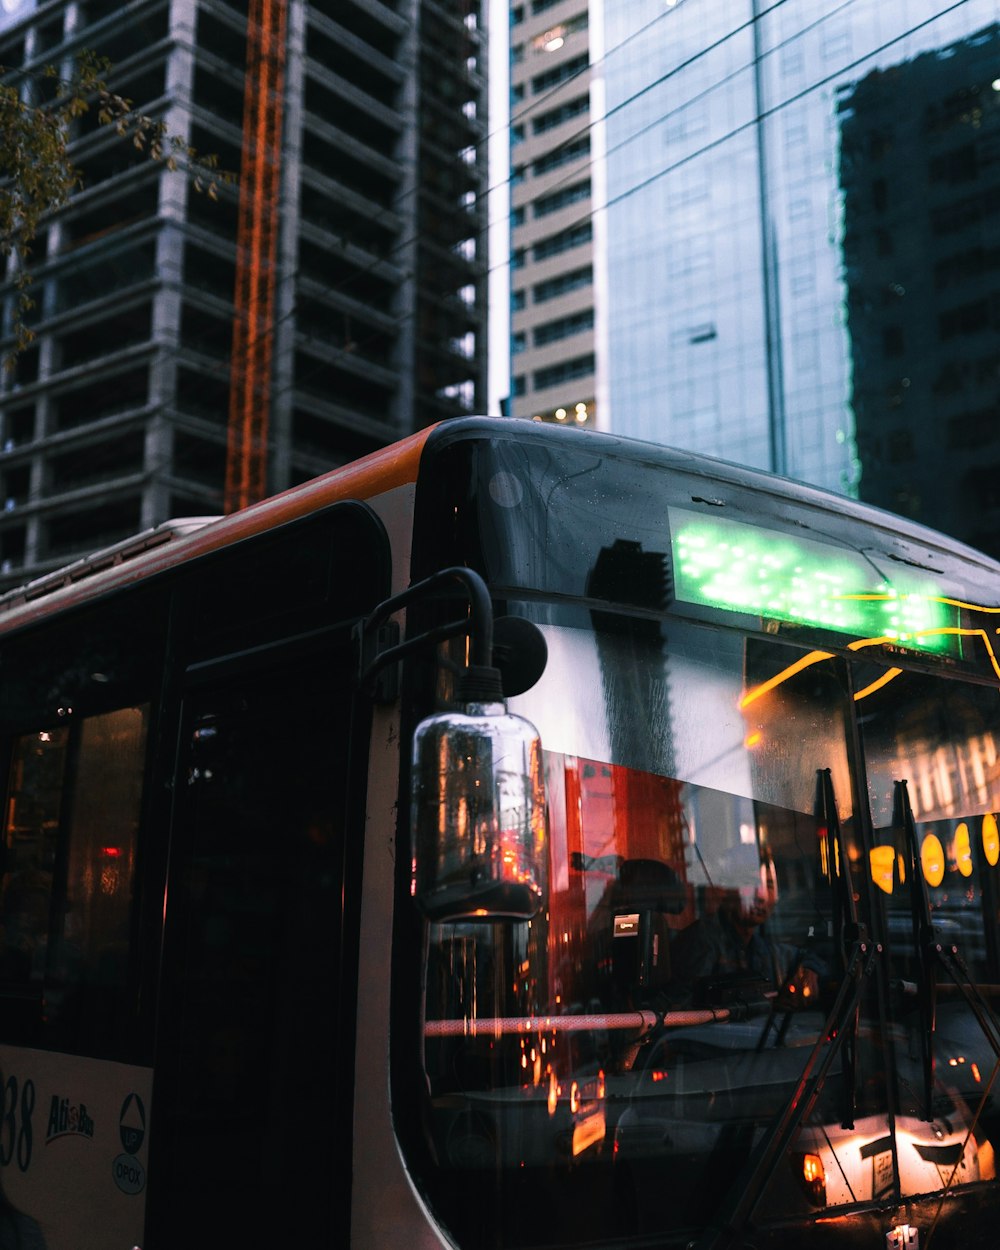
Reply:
x=631, y=1061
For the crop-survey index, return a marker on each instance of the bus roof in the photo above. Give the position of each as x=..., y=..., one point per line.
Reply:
x=176, y=542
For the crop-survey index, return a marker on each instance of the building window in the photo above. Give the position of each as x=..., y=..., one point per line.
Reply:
x=546, y=204
x=516, y=134
x=562, y=155
x=974, y=430
x=551, y=288
x=552, y=40
x=518, y=385
x=517, y=216
x=555, y=244
x=518, y=343
x=564, y=327
x=518, y=301
x=836, y=44
x=969, y=319
x=564, y=113
x=517, y=15
x=560, y=73
x=564, y=371
x=959, y=165
x=518, y=258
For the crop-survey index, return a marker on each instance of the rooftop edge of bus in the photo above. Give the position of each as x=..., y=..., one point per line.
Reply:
x=178, y=540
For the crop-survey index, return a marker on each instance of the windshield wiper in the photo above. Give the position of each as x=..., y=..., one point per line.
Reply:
x=924, y=939
x=931, y=952
x=846, y=928
x=839, y=1032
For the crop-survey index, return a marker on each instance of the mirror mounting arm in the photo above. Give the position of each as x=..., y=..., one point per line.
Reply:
x=377, y=636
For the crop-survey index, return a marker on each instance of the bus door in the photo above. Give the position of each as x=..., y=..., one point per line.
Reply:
x=253, y=1084
x=255, y=1037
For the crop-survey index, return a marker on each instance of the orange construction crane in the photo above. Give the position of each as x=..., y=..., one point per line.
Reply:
x=256, y=256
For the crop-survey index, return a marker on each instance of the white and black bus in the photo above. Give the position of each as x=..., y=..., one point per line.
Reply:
x=519, y=838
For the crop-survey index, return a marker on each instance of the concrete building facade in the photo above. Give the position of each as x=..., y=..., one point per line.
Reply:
x=552, y=289
x=116, y=417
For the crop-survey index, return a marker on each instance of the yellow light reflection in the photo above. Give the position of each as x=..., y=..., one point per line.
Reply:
x=991, y=839
x=814, y=657
x=588, y=1132
x=812, y=1168
x=883, y=859
x=963, y=850
x=877, y=684
x=970, y=633
x=932, y=859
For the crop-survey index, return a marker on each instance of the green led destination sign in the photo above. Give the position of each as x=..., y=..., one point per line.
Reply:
x=742, y=568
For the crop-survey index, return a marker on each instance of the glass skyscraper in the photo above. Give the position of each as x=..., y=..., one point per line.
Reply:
x=798, y=266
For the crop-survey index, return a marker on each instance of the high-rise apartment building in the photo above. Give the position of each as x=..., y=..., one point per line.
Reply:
x=355, y=232
x=790, y=250
x=921, y=245
x=552, y=339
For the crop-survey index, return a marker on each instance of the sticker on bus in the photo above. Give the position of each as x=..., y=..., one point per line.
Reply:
x=73, y=1143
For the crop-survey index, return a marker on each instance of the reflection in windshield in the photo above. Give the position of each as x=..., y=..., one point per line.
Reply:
x=614, y=1065
x=940, y=739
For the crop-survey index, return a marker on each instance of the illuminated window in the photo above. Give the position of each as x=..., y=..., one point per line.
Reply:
x=552, y=40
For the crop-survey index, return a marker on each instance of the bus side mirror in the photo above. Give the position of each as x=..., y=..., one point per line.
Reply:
x=478, y=809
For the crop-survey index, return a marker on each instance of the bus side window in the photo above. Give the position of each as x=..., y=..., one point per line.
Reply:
x=31, y=836
x=71, y=822
x=88, y=963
